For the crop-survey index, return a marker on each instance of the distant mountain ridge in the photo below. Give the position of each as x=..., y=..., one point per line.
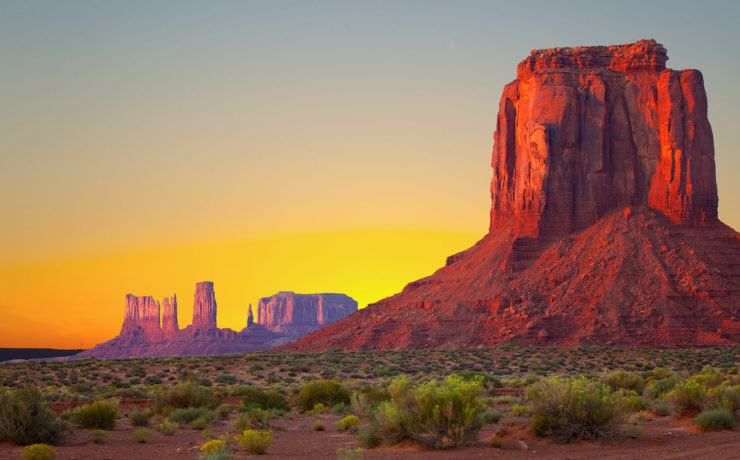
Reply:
x=9, y=354
x=148, y=330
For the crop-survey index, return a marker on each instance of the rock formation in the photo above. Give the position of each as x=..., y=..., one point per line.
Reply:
x=142, y=335
x=603, y=221
x=204, y=306
x=141, y=317
x=169, y=317
x=288, y=311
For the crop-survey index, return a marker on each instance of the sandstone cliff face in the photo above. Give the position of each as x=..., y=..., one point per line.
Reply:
x=583, y=131
x=204, y=306
x=288, y=309
x=169, y=317
x=141, y=316
x=603, y=227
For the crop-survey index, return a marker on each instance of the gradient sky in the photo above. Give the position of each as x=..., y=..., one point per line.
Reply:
x=307, y=146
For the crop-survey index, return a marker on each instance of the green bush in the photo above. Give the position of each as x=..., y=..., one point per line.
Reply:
x=142, y=435
x=167, y=428
x=686, y=397
x=255, y=442
x=437, y=416
x=319, y=425
x=140, y=418
x=491, y=416
x=573, y=409
x=189, y=414
x=348, y=453
x=215, y=450
x=722, y=397
x=226, y=379
x=709, y=377
x=224, y=410
x=257, y=397
x=199, y=424
x=715, y=420
x=98, y=436
x=252, y=418
x=326, y=392
x=350, y=422
x=661, y=387
x=25, y=418
x=623, y=380
x=100, y=414
x=181, y=395
x=38, y=452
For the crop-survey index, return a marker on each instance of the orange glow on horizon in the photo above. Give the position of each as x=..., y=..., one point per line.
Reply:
x=79, y=303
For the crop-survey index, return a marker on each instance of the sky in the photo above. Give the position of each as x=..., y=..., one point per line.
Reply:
x=311, y=146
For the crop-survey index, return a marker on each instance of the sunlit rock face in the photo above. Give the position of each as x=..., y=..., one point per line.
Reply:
x=291, y=311
x=142, y=334
x=204, y=306
x=583, y=131
x=141, y=317
x=603, y=221
x=169, y=317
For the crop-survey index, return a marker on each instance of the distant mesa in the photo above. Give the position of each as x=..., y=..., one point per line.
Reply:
x=283, y=317
x=603, y=221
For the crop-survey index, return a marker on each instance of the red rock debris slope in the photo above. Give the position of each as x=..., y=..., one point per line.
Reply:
x=603, y=225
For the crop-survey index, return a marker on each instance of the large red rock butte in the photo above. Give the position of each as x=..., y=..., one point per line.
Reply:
x=142, y=334
x=603, y=221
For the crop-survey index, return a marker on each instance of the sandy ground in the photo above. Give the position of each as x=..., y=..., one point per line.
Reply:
x=665, y=438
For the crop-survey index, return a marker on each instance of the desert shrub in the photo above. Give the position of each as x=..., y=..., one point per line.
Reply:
x=326, y=392
x=436, y=415
x=167, y=428
x=686, y=397
x=573, y=409
x=709, y=377
x=348, y=453
x=98, y=436
x=215, y=450
x=491, y=416
x=257, y=397
x=633, y=402
x=100, y=414
x=181, y=395
x=318, y=409
x=199, y=424
x=635, y=432
x=140, y=418
x=715, y=420
x=485, y=379
x=497, y=442
x=623, y=380
x=255, y=442
x=722, y=397
x=224, y=410
x=661, y=387
x=142, y=435
x=25, y=418
x=253, y=418
x=189, y=414
x=319, y=425
x=350, y=422
x=38, y=452
x=225, y=379
x=505, y=399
